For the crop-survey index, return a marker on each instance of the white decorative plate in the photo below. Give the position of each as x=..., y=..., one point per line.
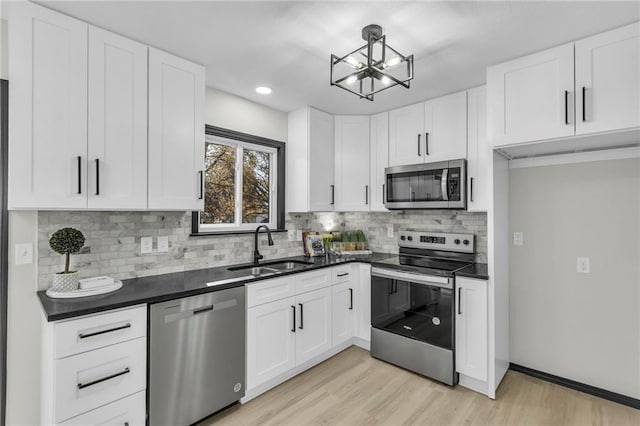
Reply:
x=84, y=293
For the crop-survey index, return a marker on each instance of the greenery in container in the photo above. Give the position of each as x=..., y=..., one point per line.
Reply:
x=66, y=241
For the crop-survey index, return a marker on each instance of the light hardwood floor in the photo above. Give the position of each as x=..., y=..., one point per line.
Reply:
x=354, y=389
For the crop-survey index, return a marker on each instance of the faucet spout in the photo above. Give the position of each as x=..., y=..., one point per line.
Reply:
x=256, y=254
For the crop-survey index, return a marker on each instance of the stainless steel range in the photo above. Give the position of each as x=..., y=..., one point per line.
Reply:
x=412, y=303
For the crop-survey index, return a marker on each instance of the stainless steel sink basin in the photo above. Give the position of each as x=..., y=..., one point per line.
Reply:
x=273, y=267
x=263, y=270
x=288, y=265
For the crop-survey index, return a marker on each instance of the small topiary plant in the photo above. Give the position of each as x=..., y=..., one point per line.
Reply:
x=66, y=241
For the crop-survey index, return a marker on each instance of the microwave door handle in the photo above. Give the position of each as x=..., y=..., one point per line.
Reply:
x=445, y=184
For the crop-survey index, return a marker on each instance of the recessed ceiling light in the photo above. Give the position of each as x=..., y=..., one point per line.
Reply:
x=263, y=90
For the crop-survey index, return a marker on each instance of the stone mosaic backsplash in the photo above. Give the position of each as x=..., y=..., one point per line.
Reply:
x=112, y=244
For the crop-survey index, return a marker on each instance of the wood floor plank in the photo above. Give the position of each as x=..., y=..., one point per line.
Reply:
x=352, y=388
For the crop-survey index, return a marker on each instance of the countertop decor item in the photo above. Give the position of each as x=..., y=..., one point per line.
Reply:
x=371, y=68
x=66, y=241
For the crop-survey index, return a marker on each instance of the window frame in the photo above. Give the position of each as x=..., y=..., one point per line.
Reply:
x=278, y=182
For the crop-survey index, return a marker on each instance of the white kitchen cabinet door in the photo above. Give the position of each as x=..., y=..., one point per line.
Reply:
x=176, y=133
x=117, y=148
x=363, y=303
x=531, y=98
x=379, y=160
x=406, y=135
x=608, y=81
x=48, y=104
x=313, y=333
x=479, y=154
x=271, y=340
x=445, y=127
x=471, y=328
x=129, y=411
x=352, y=190
x=320, y=161
x=344, y=313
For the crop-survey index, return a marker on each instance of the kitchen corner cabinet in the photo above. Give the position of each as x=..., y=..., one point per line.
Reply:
x=176, y=133
x=379, y=160
x=352, y=190
x=445, y=128
x=310, y=161
x=48, y=104
x=472, y=328
x=479, y=154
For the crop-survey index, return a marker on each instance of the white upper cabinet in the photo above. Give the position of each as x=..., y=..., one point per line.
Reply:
x=352, y=191
x=608, y=81
x=176, y=133
x=117, y=144
x=379, y=159
x=310, y=161
x=48, y=104
x=445, y=128
x=531, y=98
x=479, y=154
x=406, y=138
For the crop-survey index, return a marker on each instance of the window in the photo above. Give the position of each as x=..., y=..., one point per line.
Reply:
x=243, y=183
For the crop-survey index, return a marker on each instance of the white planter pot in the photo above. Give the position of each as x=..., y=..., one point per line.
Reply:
x=65, y=282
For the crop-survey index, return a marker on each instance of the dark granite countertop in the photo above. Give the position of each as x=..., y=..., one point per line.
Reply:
x=475, y=270
x=159, y=288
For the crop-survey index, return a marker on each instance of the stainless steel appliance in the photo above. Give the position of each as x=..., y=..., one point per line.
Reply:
x=440, y=185
x=196, y=356
x=412, y=303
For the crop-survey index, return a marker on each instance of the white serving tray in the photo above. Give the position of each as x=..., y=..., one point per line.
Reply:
x=84, y=292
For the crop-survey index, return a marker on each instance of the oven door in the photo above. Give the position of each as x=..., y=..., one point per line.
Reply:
x=415, y=306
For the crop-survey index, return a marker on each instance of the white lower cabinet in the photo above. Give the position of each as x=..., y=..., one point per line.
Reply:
x=343, y=313
x=471, y=328
x=126, y=411
x=313, y=333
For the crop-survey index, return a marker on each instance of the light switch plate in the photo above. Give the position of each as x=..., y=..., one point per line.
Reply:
x=146, y=245
x=163, y=244
x=389, y=231
x=518, y=238
x=24, y=254
x=583, y=265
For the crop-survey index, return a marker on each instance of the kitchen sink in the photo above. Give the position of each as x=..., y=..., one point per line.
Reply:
x=288, y=265
x=272, y=267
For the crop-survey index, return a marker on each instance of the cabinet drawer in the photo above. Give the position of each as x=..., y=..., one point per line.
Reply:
x=92, y=379
x=270, y=290
x=127, y=411
x=314, y=280
x=96, y=331
x=341, y=274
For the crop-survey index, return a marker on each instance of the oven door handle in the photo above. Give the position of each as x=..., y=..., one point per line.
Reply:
x=444, y=184
x=430, y=280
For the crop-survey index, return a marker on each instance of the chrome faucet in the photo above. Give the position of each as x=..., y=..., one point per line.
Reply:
x=256, y=254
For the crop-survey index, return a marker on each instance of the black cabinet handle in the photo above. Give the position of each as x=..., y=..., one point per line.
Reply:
x=419, y=155
x=426, y=142
x=110, y=330
x=566, y=107
x=333, y=194
x=79, y=174
x=471, y=188
x=395, y=286
x=366, y=194
x=383, y=194
x=201, y=173
x=344, y=274
x=203, y=309
x=97, y=176
x=350, y=299
x=301, y=316
x=584, y=103
x=104, y=379
x=293, y=309
x=459, y=300
x=391, y=287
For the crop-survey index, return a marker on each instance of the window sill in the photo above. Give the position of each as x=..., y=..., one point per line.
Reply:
x=234, y=232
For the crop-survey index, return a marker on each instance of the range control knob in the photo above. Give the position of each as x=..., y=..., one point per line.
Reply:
x=457, y=241
x=410, y=238
x=402, y=238
x=465, y=242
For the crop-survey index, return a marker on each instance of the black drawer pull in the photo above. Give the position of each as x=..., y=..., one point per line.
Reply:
x=344, y=274
x=104, y=379
x=203, y=309
x=109, y=330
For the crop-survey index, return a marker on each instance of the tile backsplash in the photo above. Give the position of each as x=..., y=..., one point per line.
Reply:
x=112, y=244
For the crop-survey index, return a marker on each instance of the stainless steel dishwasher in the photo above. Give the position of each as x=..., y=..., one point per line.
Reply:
x=196, y=356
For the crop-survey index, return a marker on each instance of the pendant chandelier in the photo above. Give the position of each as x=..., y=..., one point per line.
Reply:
x=372, y=68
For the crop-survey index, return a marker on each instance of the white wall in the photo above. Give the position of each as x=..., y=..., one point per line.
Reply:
x=585, y=327
x=235, y=113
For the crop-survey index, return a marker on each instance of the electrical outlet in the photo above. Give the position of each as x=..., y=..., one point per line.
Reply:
x=298, y=235
x=389, y=231
x=24, y=254
x=146, y=245
x=583, y=265
x=518, y=238
x=291, y=234
x=163, y=244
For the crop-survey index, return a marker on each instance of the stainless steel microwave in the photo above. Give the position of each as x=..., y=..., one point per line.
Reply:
x=440, y=185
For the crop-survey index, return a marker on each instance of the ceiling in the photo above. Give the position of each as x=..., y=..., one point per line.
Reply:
x=287, y=45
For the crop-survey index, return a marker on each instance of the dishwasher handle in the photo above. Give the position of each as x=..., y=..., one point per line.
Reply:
x=172, y=316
